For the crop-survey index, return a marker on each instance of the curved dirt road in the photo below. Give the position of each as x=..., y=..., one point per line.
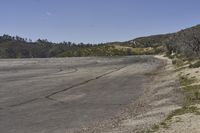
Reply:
x=67, y=94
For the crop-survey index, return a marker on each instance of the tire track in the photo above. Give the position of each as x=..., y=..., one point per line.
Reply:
x=49, y=97
x=19, y=104
x=73, y=71
x=34, y=99
x=43, y=75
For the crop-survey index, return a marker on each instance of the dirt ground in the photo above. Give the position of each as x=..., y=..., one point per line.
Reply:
x=188, y=122
x=64, y=95
x=132, y=94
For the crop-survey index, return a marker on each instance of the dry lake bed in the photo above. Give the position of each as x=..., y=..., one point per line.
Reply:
x=61, y=95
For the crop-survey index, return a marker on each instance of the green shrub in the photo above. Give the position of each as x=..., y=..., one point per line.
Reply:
x=178, y=62
x=195, y=65
x=173, y=62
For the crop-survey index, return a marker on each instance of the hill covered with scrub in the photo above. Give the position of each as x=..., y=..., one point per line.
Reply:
x=185, y=43
x=17, y=47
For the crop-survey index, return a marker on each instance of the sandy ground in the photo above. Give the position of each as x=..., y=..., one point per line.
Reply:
x=67, y=95
x=188, y=122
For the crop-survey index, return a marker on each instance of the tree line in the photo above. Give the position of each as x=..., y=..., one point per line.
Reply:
x=17, y=47
x=185, y=43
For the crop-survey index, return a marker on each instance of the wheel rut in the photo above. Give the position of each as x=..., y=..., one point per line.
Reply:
x=49, y=97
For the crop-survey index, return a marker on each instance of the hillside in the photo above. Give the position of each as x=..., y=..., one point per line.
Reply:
x=17, y=47
x=185, y=42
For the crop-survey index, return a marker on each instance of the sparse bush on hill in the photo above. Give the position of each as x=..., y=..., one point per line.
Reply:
x=185, y=42
x=195, y=65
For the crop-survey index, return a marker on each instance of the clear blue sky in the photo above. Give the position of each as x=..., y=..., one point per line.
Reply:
x=95, y=20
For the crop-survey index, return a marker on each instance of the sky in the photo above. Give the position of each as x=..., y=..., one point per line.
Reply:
x=95, y=21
